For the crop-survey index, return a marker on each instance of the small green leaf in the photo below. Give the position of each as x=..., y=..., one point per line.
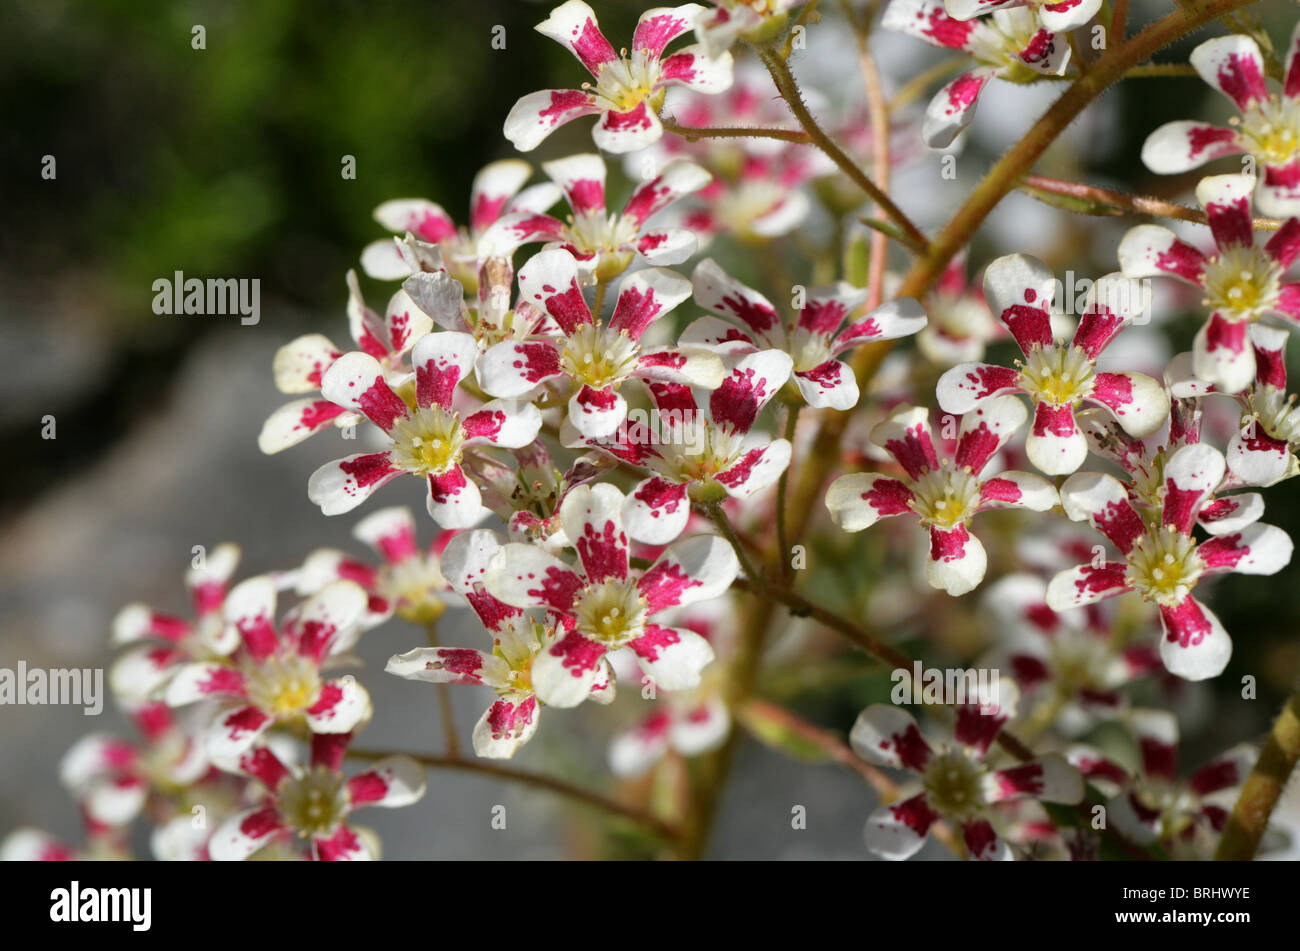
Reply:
x=1073, y=203
x=775, y=733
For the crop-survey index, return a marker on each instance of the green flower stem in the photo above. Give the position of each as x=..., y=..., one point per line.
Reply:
x=1113, y=202
x=613, y=807
x=752, y=575
x=789, y=90
x=695, y=133
x=1263, y=787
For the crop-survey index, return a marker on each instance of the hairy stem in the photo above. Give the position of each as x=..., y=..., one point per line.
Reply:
x=1160, y=69
x=802, y=607
x=878, y=113
x=537, y=780
x=1119, y=20
x=695, y=133
x=1138, y=204
x=752, y=575
x=789, y=90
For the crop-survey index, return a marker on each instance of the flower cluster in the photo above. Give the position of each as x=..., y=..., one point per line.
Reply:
x=630, y=455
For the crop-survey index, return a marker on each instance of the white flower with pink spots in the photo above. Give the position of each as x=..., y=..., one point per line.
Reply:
x=276, y=675
x=591, y=359
x=944, y=494
x=427, y=433
x=1243, y=280
x=604, y=243
x=1268, y=128
x=497, y=190
x=518, y=639
x=306, y=811
x=957, y=783
x=1016, y=44
x=825, y=326
x=603, y=605
x=1162, y=560
x=1058, y=376
x=628, y=88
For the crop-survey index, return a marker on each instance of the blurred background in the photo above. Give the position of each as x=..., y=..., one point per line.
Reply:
x=225, y=162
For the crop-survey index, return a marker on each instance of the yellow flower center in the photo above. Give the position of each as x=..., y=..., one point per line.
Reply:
x=598, y=356
x=428, y=442
x=315, y=805
x=946, y=496
x=1271, y=129
x=284, y=686
x=625, y=83
x=521, y=677
x=613, y=612
x=1242, y=284
x=1060, y=375
x=952, y=784
x=1164, y=566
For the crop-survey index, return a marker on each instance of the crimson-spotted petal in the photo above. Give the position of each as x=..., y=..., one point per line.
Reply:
x=525, y=576
x=673, y=657
x=1233, y=65
x=356, y=381
x=565, y=673
x=1195, y=645
x=1181, y=146
x=860, y=499
x=340, y=706
x=450, y=665
x=392, y=782
x=953, y=108
x=656, y=511
x=1103, y=501
x=888, y=736
x=1152, y=250
x=692, y=570
x=1086, y=584
x=506, y=725
x=968, y=385
x=897, y=832
x=957, y=560
x=245, y=833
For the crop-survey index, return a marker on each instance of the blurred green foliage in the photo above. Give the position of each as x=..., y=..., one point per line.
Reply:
x=226, y=160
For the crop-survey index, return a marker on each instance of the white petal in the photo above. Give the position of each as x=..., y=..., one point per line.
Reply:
x=343, y=704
